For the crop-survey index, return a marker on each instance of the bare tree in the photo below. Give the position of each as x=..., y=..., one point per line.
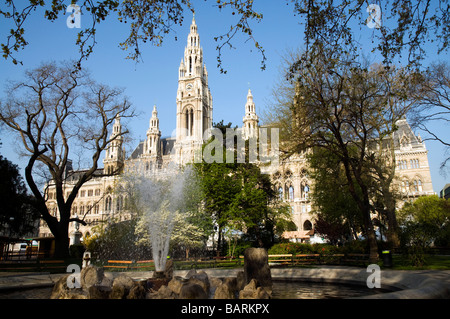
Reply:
x=432, y=104
x=147, y=22
x=54, y=111
x=350, y=109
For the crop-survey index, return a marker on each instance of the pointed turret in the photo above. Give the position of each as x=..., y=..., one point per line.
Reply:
x=250, y=119
x=194, y=101
x=153, y=135
x=114, y=157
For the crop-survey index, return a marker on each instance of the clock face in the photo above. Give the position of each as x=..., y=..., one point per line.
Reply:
x=189, y=87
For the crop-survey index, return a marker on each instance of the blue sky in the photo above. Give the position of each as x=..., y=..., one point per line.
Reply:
x=154, y=81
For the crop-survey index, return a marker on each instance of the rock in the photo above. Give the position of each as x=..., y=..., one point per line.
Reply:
x=224, y=292
x=163, y=293
x=99, y=292
x=138, y=291
x=201, y=279
x=175, y=285
x=59, y=287
x=168, y=271
x=62, y=291
x=190, y=273
x=123, y=280
x=192, y=291
x=232, y=283
x=91, y=276
x=215, y=282
x=118, y=292
x=107, y=280
x=253, y=291
x=240, y=281
x=121, y=286
x=256, y=266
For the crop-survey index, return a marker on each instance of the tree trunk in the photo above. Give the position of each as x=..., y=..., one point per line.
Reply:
x=371, y=237
x=62, y=247
x=392, y=231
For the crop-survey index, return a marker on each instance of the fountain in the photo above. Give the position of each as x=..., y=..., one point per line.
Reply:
x=159, y=200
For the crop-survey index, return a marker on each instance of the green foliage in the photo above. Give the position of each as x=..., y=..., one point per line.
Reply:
x=356, y=247
x=338, y=216
x=407, y=27
x=147, y=22
x=424, y=222
x=77, y=251
x=237, y=195
x=17, y=214
x=116, y=240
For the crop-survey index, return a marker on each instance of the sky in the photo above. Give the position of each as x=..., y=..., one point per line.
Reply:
x=154, y=80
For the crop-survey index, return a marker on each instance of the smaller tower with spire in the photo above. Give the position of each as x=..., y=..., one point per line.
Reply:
x=114, y=157
x=250, y=119
x=153, y=135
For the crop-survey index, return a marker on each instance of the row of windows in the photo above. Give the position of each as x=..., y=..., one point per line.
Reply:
x=89, y=208
x=289, y=194
x=413, y=186
x=82, y=193
x=403, y=164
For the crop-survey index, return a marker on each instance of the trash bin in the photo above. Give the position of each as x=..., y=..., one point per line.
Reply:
x=387, y=258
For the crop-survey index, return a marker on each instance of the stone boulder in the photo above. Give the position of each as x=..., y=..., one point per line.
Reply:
x=256, y=266
x=253, y=291
x=201, y=279
x=163, y=292
x=175, y=285
x=224, y=292
x=91, y=276
x=192, y=291
x=168, y=270
x=99, y=292
x=240, y=281
x=121, y=286
x=138, y=291
x=62, y=291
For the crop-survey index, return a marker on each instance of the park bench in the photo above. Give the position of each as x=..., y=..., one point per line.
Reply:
x=119, y=264
x=280, y=259
x=355, y=259
x=303, y=259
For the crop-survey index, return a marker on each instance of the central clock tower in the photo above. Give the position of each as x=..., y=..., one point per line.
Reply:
x=194, y=101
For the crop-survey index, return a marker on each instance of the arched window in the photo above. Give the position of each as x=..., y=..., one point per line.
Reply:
x=291, y=193
x=419, y=184
x=108, y=202
x=305, y=191
x=189, y=116
x=191, y=119
x=307, y=225
x=119, y=203
x=280, y=192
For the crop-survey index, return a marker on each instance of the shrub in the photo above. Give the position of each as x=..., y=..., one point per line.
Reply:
x=357, y=246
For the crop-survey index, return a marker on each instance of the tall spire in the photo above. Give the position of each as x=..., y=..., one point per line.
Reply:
x=114, y=153
x=153, y=135
x=193, y=55
x=250, y=119
x=194, y=101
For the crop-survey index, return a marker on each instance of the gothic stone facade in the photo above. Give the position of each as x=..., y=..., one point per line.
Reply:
x=98, y=203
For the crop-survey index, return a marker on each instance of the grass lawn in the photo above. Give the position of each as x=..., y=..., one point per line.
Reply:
x=432, y=262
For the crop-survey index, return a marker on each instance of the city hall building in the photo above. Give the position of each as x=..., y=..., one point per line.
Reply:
x=97, y=203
